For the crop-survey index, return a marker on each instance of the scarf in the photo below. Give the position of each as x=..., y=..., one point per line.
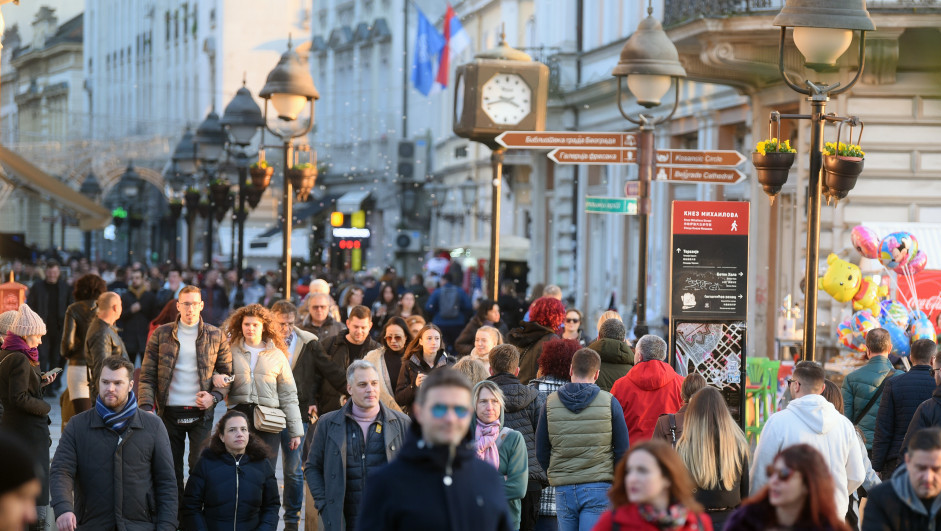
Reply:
x=15, y=342
x=673, y=517
x=486, y=436
x=117, y=421
x=139, y=292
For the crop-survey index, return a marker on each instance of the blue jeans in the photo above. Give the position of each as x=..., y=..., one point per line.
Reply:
x=580, y=506
x=293, y=478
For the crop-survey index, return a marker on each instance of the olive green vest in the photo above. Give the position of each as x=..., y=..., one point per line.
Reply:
x=581, y=442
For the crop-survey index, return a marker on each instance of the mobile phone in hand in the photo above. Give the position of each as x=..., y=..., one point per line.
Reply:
x=52, y=372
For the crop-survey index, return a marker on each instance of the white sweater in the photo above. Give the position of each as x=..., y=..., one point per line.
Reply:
x=812, y=420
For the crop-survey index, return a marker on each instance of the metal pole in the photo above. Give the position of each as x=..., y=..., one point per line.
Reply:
x=288, y=199
x=129, y=234
x=645, y=175
x=207, y=256
x=240, y=261
x=405, y=70
x=190, y=237
x=493, y=279
x=818, y=105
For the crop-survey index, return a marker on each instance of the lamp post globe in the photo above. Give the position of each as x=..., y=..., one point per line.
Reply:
x=242, y=118
x=824, y=30
x=289, y=86
x=210, y=139
x=184, y=154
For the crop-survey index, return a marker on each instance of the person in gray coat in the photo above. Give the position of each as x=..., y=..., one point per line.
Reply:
x=362, y=427
x=113, y=468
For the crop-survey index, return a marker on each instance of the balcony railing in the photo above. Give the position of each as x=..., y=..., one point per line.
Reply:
x=680, y=11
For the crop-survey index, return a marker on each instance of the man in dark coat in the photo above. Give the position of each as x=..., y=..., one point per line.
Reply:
x=521, y=413
x=113, y=468
x=49, y=298
x=928, y=413
x=529, y=338
x=437, y=482
x=900, y=398
x=140, y=306
x=342, y=349
x=912, y=498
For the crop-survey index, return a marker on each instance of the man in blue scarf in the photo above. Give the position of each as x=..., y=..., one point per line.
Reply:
x=113, y=468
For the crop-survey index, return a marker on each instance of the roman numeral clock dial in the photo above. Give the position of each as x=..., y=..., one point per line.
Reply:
x=506, y=99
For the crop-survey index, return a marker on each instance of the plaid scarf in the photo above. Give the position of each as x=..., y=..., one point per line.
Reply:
x=117, y=421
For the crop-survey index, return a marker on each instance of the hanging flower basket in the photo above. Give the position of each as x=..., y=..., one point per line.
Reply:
x=219, y=191
x=772, y=170
x=253, y=196
x=191, y=199
x=303, y=178
x=203, y=209
x=841, y=174
x=176, y=210
x=261, y=174
x=219, y=212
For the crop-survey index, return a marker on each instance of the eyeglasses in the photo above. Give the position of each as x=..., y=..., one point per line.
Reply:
x=573, y=320
x=190, y=304
x=784, y=473
x=438, y=411
x=792, y=380
x=395, y=338
x=318, y=307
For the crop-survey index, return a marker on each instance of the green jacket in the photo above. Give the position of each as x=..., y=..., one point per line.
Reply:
x=580, y=456
x=859, y=387
x=514, y=467
x=616, y=359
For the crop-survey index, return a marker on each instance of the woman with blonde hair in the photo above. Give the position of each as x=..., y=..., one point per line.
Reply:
x=485, y=339
x=715, y=452
x=609, y=314
x=473, y=369
x=263, y=383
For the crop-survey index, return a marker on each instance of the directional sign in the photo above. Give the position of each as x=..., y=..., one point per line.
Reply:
x=697, y=157
x=693, y=174
x=557, y=139
x=593, y=156
x=611, y=205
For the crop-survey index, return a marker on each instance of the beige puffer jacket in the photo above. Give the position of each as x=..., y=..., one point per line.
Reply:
x=271, y=384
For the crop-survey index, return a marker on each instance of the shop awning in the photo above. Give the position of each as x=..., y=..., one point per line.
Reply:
x=352, y=201
x=91, y=215
x=512, y=248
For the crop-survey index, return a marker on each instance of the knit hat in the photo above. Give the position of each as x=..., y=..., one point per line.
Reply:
x=28, y=323
x=6, y=321
x=17, y=463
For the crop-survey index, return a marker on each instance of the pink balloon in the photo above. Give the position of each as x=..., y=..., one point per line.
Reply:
x=865, y=241
x=915, y=265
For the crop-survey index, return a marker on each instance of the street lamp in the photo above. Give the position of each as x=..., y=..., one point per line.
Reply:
x=210, y=143
x=241, y=120
x=650, y=63
x=822, y=32
x=91, y=189
x=288, y=87
x=131, y=189
x=184, y=160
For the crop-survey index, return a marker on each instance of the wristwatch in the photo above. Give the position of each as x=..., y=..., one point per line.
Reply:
x=215, y=400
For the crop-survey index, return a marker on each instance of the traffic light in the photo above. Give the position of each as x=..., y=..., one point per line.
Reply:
x=350, y=244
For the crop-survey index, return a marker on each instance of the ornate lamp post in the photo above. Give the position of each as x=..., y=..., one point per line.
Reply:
x=289, y=87
x=184, y=159
x=132, y=190
x=650, y=63
x=92, y=190
x=823, y=31
x=241, y=120
x=210, y=144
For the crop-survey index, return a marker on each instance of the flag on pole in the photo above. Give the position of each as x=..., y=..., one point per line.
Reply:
x=456, y=41
x=428, y=44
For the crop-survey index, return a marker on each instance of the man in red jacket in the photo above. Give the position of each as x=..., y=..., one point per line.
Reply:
x=649, y=390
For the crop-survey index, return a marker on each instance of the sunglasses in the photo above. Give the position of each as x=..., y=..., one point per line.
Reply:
x=438, y=411
x=572, y=320
x=783, y=473
x=395, y=338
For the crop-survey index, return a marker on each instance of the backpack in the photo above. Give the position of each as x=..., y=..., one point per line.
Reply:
x=449, y=302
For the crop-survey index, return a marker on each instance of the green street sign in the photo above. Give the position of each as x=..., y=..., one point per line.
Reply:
x=611, y=205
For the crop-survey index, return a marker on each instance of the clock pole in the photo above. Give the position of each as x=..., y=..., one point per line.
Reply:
x=493, y=279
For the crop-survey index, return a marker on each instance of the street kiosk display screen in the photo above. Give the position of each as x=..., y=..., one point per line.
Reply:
x=714, y=350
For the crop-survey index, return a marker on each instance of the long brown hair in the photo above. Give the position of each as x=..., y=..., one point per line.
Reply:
x=256, y=449
x=681, y=486
x=415, y=344
x=233, y=326
x=819, y=507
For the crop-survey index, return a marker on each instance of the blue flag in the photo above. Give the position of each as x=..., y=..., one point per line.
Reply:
x=428, y=44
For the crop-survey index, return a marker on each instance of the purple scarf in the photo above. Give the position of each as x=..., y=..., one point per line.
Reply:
x=486, y=436
x=15, y=342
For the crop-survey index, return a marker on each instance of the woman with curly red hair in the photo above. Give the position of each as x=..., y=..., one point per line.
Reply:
x=546, y=318
x=262, y=376
x=652, y=491
x=799, y=495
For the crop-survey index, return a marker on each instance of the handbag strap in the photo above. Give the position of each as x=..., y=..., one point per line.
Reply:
x=672, y=419
x=872, y=400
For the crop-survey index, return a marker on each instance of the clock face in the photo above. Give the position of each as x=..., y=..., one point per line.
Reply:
x=507, y=99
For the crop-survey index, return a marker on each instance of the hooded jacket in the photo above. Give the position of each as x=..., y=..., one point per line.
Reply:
x=616, y=359
x=577, y=441
x=894, y=506
x=513, y=468
x=859, y=387
x=811, y=419
x=430, y=488
x=523, y=404
x=649, y=390
x=529, y=338
x=901, y=396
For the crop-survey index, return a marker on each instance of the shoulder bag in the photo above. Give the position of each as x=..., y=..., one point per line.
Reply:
x=269, y=419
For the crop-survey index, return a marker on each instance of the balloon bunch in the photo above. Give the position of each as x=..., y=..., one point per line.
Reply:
x=897, y=252
x=903, y=326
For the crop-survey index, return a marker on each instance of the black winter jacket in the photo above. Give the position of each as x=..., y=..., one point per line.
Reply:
x=927, y=415
x=894, y=506
x=529, y=338
x=405, y=387
x=78, y=316
x=311, y=369
x=523, y=404
x=424, y=489
x=900, y=398
x=222, y=496
x=464, y=343
x=337, y=349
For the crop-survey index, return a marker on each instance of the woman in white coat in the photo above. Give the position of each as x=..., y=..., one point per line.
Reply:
x=263, y=387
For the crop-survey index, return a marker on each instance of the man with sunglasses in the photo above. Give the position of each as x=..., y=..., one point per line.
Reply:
x=437, y=482
x=809, y=418
x=911, y=499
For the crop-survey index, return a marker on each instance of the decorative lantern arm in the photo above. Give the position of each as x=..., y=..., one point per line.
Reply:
x=787, y=80
x=288, y=134
x=862, y=63
x=646, y=121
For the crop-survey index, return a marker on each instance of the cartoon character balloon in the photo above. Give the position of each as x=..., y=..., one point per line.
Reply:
x=894, y=311
x=844, y=282
x=866, y=241
x=901, y=345
x=922, y=329
x=897, y=249
x=915, y=265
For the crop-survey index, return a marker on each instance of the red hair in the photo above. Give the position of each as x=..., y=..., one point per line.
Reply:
x=556, y=358
x=672, y=468
x=819, y=507
x=548, y=312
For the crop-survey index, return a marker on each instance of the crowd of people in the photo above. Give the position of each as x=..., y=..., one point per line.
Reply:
x=397, y=405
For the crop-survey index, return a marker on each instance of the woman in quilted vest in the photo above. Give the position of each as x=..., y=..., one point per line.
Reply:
x=263, y=386
x=652, y=491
